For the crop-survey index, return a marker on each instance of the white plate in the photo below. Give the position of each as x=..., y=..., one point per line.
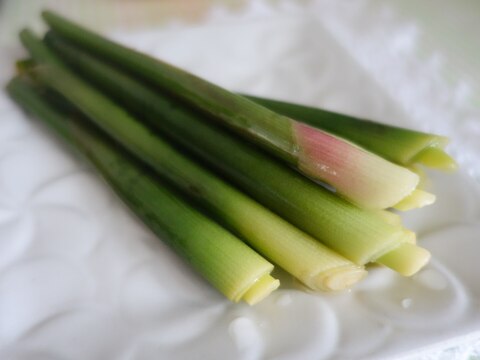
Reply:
x=81, y=278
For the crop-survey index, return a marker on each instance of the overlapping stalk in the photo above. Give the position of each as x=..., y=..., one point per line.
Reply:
x=225, y=261
x=163, y=116
x=358, y=175
x=360, y=235
x=403, y=146
x=304, y=257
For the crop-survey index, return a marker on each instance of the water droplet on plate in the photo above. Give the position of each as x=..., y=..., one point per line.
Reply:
x=433, y=297
x=406, y=303
x=245, y=335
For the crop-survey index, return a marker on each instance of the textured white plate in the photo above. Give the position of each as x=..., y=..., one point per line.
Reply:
x=81, y=278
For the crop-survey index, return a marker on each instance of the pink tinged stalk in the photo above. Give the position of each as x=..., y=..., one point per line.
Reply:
x=363, y=178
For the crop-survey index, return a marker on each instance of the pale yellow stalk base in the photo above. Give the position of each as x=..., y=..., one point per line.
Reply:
x=260, y=289
x=436, y=158
x=417, y=199
x=406, y=259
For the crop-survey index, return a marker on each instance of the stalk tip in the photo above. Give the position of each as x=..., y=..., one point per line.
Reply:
x=406, y=259
x=260, y=289
x=436, y=158
x=417, y=199
x=358, y=175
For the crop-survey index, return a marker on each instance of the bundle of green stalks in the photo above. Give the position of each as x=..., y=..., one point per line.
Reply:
x=233, y=183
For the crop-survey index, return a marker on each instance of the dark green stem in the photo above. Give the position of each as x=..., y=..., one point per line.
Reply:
x=224, y=260
x=393, y=143
x=269, y=129
x=272, y=236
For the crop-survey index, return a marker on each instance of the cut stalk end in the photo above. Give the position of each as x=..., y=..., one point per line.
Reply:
x=436, y=158
x=358, y=175
x=417, y=199
x=260, y=289
x=340, y=278
x=407, y=259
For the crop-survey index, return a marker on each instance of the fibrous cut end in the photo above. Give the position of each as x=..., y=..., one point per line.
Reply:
x=341, y=278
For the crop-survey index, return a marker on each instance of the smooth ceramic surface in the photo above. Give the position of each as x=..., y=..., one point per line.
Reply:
x=81, y=278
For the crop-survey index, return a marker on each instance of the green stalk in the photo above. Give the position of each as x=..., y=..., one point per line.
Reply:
x=403, y=146
x=271, y=129
x=231, y=266
x=304, y=257
x=322, y=156
x=360, y=235
x=24, y=65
